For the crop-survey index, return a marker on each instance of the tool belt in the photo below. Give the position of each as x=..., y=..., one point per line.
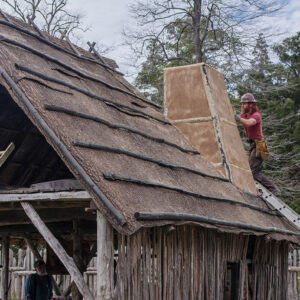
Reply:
x=261, y=148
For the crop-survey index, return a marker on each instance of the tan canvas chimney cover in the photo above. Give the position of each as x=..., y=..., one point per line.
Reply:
x=197, y=103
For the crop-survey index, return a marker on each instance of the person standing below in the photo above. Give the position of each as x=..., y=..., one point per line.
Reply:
x=39, y=285
x=251, y=119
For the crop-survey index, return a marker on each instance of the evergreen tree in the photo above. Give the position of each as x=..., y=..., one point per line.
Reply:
x=177, y=32
x=276, y=87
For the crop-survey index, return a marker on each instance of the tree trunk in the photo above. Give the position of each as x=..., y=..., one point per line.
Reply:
x=196, y=30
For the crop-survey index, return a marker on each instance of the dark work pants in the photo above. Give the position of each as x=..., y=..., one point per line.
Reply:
x=256, y=164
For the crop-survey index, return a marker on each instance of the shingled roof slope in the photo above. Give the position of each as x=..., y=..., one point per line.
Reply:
x=116, y=143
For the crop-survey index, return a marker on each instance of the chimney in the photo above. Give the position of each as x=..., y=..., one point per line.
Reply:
x=197, y=103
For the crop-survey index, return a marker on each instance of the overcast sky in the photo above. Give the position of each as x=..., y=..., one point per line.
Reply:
x=107, y=19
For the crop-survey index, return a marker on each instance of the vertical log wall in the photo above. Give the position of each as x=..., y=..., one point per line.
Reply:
x=191, y=262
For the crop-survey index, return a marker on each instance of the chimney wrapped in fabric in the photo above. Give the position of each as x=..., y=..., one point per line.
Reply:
x=197, y=103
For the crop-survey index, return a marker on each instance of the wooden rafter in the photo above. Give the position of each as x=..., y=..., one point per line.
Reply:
x=6, y=153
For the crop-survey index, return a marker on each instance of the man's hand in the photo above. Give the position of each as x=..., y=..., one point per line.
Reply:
x=237, y=117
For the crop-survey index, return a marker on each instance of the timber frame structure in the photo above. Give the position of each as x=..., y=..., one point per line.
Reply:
x=88, y=165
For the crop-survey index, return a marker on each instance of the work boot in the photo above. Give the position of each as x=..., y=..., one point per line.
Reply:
x=277, y=192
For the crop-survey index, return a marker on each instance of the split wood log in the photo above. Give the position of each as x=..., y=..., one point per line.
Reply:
x=105, y=259
x=77, y=256
x=56, y=196
x=61, y=253
x=67, y=291
x=6, y=153
x=39, y=257
x=5, y=268
x=294, y=269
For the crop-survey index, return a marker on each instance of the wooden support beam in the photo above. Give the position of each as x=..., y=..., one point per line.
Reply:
x=5, y=16
x=56, y=196
x=64, y=35
x=13, y=206
x=67, y=291
x=89, y=229
x=6, y=153
x=61, y=253
x=5, y=268
x=48, y=215
x=294, y=269
x=105, y=259
x=31, y=22
x=92, y=49
x=39, y=257
x=77, y=256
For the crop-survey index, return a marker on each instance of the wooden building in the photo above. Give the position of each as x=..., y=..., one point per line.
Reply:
x=89, y=165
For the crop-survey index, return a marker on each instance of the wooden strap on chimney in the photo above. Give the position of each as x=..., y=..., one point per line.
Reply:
x=216, y=121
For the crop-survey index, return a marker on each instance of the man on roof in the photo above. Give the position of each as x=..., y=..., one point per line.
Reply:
x=251, y=119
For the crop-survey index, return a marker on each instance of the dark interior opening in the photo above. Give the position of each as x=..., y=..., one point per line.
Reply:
x=33, y=160
x=232, y=281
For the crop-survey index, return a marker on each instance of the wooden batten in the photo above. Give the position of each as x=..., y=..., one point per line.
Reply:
x=77, y=256
x=105, y=259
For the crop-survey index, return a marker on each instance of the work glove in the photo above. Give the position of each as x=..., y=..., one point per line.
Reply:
x=237, y=117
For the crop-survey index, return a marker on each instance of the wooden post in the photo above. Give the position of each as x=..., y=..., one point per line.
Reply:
x=58, y=249
x=67, y=291
x=105, y=259
x=5, y=268
x=77, y=256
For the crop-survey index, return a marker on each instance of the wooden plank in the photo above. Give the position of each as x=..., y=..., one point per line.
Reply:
x=105, y=259
x=77, y=255
x=6, y=153
x=294, y=269
x=5, y=268
x=48, y=215
x=58, y=196
x=61, y=253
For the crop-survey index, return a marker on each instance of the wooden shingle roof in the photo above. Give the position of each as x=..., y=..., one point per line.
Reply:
x=118, y=144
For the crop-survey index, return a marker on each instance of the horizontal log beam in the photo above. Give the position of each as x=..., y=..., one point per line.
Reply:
x=48, y=215
x=294, y=269
x=56, y=196
x=154, y=216
x=45, y=204
x=61, y=228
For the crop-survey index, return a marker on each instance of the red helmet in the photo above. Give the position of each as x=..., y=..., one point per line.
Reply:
x=248, y=98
